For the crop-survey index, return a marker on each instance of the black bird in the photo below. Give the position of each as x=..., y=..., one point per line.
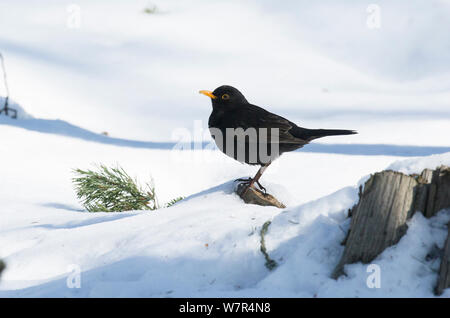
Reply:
x=262, y=137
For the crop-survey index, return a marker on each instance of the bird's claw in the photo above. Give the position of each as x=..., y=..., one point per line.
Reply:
x=249, y=182
x=245, y=180
x=261, y=187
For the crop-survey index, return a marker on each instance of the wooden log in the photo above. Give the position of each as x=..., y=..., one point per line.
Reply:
x=255, y=196
x=379, y=218
x=444, y=271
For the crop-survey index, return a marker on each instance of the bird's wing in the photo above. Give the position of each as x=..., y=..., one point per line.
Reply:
x=257, y=117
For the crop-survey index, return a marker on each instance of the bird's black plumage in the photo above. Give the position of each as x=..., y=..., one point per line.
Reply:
x=231, y=110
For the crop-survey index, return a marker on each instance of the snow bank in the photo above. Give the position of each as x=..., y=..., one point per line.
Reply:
x=309, y=252
x=208, y=245
x=416, y=165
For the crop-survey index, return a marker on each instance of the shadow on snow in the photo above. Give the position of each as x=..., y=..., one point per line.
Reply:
x=60, y=127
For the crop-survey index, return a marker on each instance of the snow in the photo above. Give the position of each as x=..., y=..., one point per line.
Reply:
x=138, y=80
x=411, y=166
x=21, y=113
x=310, y=252
x=318, y=65
x=205, y=245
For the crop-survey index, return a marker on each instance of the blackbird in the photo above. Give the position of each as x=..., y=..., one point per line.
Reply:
x=251, y=134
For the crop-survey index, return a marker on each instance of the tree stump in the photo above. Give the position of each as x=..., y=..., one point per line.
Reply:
x=255, y=196
x=2, y=267
x=388, y=200
x=379, y=218
x=434, y=191
x=444, y=271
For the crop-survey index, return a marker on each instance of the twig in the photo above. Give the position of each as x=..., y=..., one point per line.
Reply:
x=5, y=79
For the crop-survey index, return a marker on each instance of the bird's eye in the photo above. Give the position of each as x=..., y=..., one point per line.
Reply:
x=225, y=96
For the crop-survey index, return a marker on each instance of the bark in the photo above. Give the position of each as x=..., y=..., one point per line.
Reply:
x=379, y=218
x=2, y=267
x=438, y=190
x=386, y=203
x=444, y=271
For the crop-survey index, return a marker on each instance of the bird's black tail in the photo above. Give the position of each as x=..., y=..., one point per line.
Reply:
x=311, y=134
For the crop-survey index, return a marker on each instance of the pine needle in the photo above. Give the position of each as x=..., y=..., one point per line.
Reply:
x=173, y=201
x=112, y=190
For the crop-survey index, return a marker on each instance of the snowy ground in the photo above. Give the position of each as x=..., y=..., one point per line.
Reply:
x=207, y=244
x=136, y=76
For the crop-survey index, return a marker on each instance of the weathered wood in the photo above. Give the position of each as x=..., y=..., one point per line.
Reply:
x=379, y=218
x=444, y=271
x=255, y=196
x=387, y=201
x=439, y=191
x=433, y=193
x=2, y=267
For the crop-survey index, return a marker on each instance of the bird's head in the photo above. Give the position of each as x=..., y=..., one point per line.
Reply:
x=225, y=97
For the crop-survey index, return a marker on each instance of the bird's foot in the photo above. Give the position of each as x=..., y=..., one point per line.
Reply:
x=250, y=183
x=247, y=182
x=244, y=180
x=261, y=187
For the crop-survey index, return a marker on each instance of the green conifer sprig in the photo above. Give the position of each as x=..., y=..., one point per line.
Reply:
x=112, y=190
x=173, y=201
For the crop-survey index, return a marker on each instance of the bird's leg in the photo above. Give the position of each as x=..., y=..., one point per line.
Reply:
x=261, y=187
x=251, y=181
x=258, y=176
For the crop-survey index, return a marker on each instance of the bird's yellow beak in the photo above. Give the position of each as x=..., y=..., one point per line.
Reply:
x=209, y=94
